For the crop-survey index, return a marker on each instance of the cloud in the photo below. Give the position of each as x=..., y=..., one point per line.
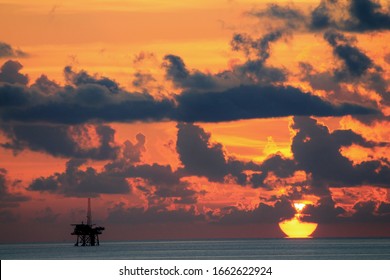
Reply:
x=317, y=152
x=78, y=183
x=333, y=17
x=200, y=157
x=276, y=164
x=161, y=181
x=138, y=215
x=250, y=102
x=319, y=80
x=257, y=52
x=90, y=141
x=364, y=15
x=326, y=212
x=350, y=15
x=142, y=80
x=142, y=56
x=260, y=47
x=9, y=198
x=288, y=14
x=133, y=152
x=9, y=73
x=92, y=100
x=263, y=213
x=358, y=67
x=7, y=51
x=83, y=78
x=253, y=71
x=45, y=85
x=76, y=105
x=356, y=62
x=177, y=72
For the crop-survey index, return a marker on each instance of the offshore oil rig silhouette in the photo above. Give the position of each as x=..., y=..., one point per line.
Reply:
x=87, y=234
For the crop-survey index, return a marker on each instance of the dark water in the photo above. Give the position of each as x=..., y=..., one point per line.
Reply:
x=273, y=249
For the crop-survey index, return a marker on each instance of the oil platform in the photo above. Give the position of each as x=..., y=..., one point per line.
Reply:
x=87, y=234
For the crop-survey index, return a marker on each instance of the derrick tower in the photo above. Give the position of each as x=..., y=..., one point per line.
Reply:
x=87, y=234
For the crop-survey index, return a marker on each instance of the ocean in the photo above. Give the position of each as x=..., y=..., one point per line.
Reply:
x=240, y=249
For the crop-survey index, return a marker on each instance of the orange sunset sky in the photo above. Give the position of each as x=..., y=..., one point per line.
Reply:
x=194, y=119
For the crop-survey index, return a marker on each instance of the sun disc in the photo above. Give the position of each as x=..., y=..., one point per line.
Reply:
x=295, y=228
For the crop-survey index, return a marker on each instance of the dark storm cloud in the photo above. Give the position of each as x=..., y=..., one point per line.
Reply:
x=62, y=140
x=9, y=73
x=7, y=51
x=263, y=213
x=79, y=183
x=249, y=102
x=138, y=215
x=7, y=198
x=317, y=151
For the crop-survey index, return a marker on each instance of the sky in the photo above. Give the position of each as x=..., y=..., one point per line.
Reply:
x=194, y=119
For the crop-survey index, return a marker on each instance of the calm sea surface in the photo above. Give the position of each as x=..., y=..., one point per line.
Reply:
x=274, y=249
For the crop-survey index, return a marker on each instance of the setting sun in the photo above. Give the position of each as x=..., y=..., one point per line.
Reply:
x=295, y=227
